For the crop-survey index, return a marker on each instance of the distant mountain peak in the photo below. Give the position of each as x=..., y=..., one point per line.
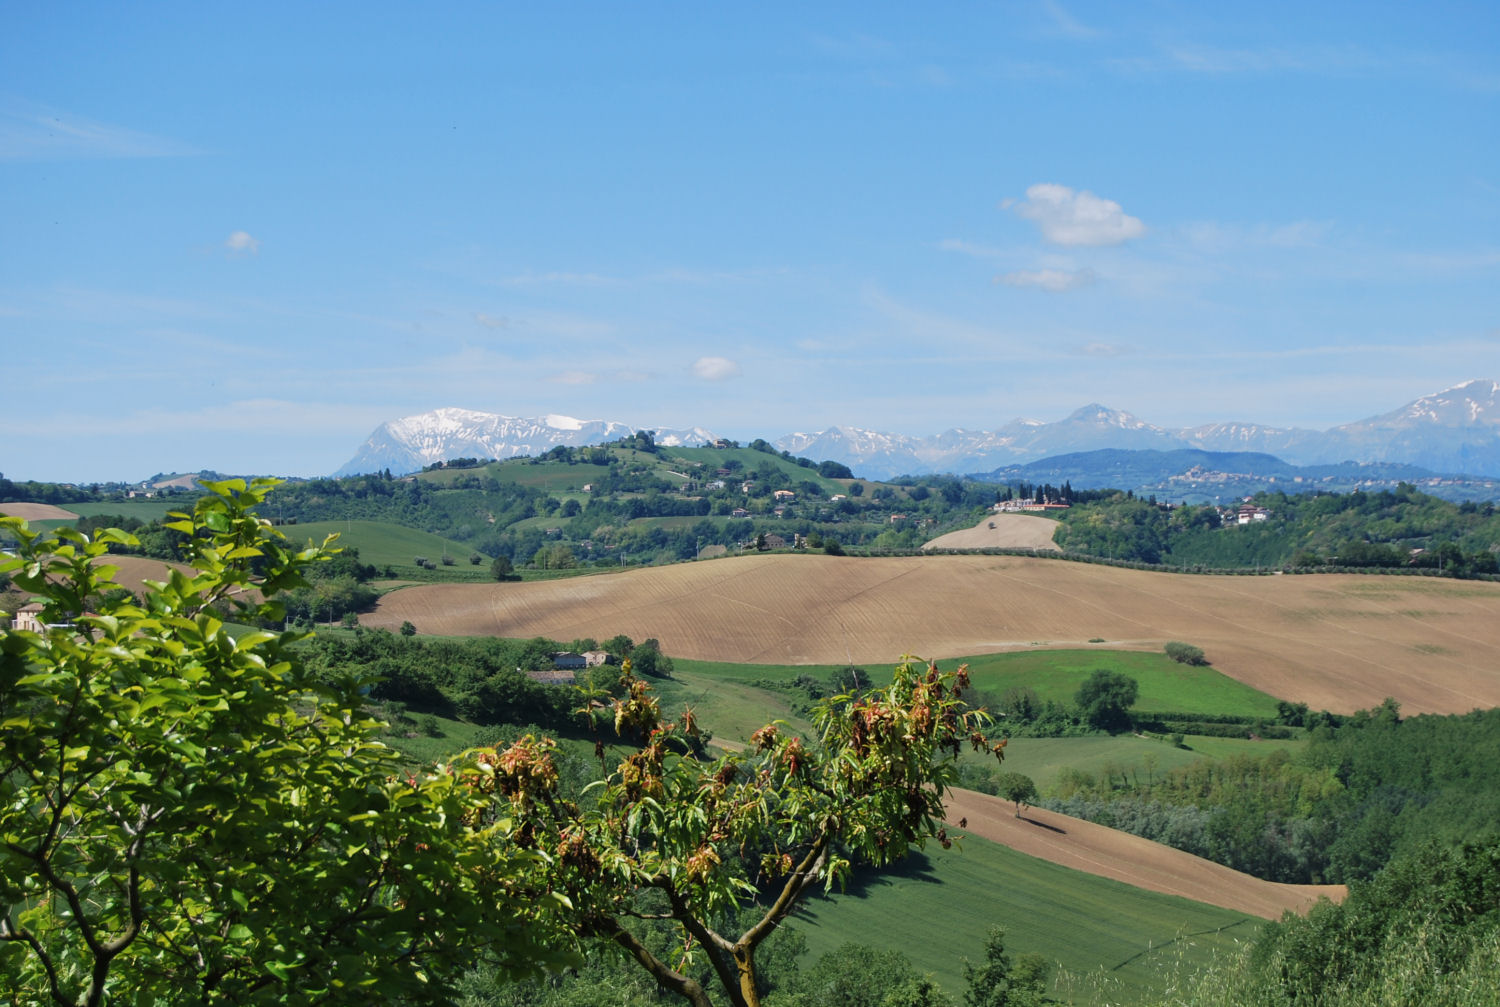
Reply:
x=412, y=442
x=1455, y=430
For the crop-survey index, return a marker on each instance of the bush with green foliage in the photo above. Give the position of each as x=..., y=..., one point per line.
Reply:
x=187, y=816
x=1185, y=653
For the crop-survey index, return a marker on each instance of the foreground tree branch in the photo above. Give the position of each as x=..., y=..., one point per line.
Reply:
x=755, y=830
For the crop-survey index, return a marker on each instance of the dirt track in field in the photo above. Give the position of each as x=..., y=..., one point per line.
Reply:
x=1095, y=849
x=1001, y=531
x=1340, y=642
x=36, y=512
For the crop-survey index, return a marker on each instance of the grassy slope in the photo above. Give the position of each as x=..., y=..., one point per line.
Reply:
x=1165, y=685
x=1043, y=759
x=1104, y=934
x=1053, y=674
x=945, y=901
x=381, y=543
x=143, y=510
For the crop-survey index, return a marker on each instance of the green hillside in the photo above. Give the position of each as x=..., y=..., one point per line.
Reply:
x=937, y=905
x=385, y=544
x=1165, y=685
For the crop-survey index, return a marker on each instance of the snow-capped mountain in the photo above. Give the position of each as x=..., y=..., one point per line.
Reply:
x=1456, y=430
x=407, y=444
x=880, y=456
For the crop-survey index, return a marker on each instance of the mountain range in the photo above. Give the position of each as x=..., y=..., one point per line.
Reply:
x=1456, y=430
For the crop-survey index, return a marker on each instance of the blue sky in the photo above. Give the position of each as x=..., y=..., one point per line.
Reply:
x=241, y=236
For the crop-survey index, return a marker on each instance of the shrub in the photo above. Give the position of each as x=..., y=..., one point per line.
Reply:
x=1185, y=653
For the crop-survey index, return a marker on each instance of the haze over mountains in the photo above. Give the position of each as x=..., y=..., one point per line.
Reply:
x=1456, y=431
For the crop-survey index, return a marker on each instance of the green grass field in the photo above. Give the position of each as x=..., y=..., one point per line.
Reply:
x=937, y=906
x=389, y=544
x=1165, y=685
x=141, y=510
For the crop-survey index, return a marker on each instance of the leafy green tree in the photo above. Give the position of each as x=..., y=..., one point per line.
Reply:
x=187, y=816
x=501, y=568
x=998, y=982
x=1017, y=788
x=1105, y=698
x=647, y=658
x=757, y=828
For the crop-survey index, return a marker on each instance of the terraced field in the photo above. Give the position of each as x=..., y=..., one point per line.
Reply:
x=1340, y=641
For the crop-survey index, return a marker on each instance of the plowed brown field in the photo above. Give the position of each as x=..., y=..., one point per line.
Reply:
x=1001, y=531
x=36, y=512
x=1339, y=642
x=1095, y=849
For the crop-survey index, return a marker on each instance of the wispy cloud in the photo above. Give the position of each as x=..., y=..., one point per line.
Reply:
x=491, y=321
x=1052, y=280
x=1071, y=218
x=1212, y=236
x=33, y=132
x=1100, y=349
x=575, y=378
x=1061, y=22
x=715, y=368
x=241, y=242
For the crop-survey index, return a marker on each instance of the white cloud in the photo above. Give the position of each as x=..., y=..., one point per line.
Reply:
x=575, y=378
x=241, y=241
x=491, y=321
x=1053, y=280
x=1076, y=218
x=715, y=368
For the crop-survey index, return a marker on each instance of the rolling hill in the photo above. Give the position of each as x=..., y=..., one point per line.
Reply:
x=1336, y=642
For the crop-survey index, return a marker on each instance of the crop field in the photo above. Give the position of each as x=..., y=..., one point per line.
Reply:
x=1338, y=641
x=945, y=900
x=33, y=512
x=1000, y=531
